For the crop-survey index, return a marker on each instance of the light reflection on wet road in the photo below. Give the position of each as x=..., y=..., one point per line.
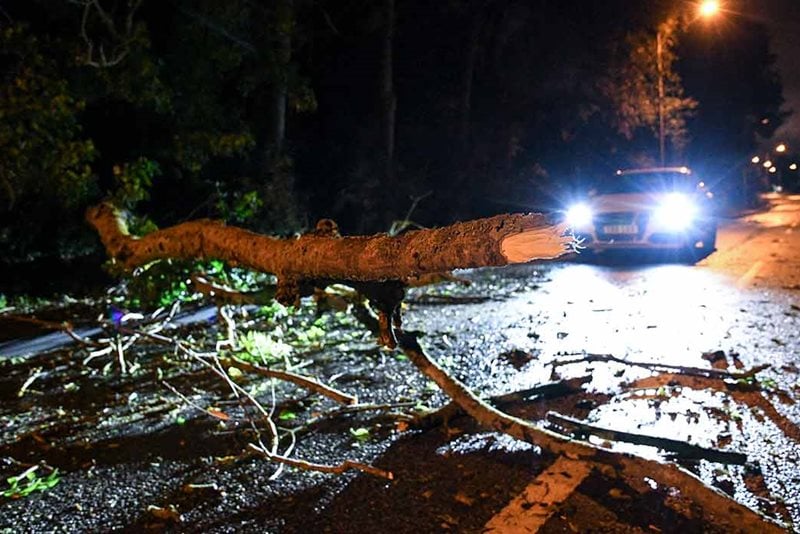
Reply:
x=743, y=299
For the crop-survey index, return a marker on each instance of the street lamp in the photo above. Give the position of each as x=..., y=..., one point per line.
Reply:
x=706, y=9
x=709, y=8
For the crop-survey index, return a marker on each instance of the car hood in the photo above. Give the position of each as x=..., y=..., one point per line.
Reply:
x=626, y=202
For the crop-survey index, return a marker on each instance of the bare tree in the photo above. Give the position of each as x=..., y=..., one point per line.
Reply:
x=108, y=35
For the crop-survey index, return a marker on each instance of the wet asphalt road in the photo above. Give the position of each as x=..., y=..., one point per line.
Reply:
x=742, y=300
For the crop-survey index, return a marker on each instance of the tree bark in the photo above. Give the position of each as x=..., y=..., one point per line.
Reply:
x=284, y=22
x=494, y=241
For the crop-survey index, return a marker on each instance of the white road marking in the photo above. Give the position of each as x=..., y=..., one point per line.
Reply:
x=531, y=509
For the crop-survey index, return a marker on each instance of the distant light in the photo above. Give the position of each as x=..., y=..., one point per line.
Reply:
x=709, y=8
x=773, y=170
x=755, y=159
x=767, y=164
x=701, y=185
x=781, y=148
x=765, y=121
x=793, y=167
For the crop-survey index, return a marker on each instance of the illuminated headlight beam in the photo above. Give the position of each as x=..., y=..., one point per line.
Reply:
x=579, y=216
x=676, y=212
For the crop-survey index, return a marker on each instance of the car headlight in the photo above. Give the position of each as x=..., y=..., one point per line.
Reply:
x=676, y=212
x=579, y=216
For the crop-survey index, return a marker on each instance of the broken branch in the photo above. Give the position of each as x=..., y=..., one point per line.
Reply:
x=299, y=380
x=495, y=241
x=724, y=511
x=693, y=371
x=681, y=448
x=549, y=390
x=343, y=467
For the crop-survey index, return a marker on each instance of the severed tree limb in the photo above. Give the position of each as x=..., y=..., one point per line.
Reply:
x=346, y=465
x=377, y=266
x=494, y=241
x=299, y=380
x=720, y=508
x=682, y=449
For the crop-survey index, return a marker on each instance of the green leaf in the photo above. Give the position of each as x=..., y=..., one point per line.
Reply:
x=361, y=434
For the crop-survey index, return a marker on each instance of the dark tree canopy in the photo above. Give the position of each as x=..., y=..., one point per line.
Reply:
x=274, y=114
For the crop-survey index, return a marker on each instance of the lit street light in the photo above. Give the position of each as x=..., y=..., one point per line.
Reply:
x=781, y=148
x=706, y=9
x=709, y=8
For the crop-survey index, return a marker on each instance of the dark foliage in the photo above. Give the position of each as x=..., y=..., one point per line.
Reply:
x=271, y=114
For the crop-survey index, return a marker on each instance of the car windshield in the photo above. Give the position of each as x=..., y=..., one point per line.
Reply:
x=646, y=182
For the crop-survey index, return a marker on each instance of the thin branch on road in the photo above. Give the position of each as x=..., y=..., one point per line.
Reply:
x=725, y=512
x=343, y=467
x=549, y=390
x=655, y=366
x=296, y=379
x=684, y=450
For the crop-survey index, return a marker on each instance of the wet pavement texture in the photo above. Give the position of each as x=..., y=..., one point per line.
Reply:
x=132, y=455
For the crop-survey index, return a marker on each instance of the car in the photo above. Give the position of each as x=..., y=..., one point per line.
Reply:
x=659, y=208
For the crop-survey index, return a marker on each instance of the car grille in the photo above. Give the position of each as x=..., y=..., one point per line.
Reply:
x=622, y=218
x=604, y=219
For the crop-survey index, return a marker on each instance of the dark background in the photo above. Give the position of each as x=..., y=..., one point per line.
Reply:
x=501, y=105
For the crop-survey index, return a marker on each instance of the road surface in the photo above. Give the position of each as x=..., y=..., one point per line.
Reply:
x=515, y=328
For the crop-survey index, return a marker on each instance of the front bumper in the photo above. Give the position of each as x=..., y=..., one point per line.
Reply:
x=635, y=231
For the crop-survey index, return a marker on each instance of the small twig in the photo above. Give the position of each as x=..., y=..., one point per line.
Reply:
x=357, y=408
x=120, y=355
x=237, y=390
x=299, y=380
x=215, y=414
x=34, y=374
x=343, y=467
x=108, y=349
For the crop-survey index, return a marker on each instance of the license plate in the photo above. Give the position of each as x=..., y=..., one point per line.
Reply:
x=621, y=229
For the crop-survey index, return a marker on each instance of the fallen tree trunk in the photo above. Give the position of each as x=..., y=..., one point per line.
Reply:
x=380, y=265
x=377, y=266
x=495, y=241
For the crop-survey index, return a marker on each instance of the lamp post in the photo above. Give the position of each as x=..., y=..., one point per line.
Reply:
x=706, y=9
